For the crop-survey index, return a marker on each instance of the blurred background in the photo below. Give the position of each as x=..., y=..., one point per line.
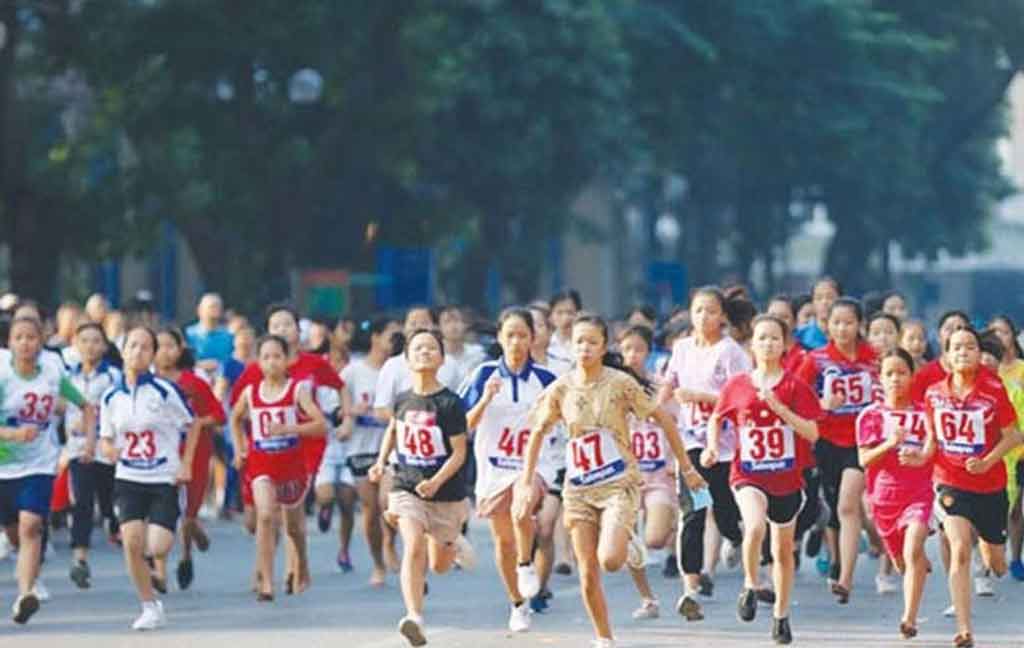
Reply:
x=363, y=155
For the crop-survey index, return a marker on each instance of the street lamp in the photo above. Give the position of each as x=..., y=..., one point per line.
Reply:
x=305, y=87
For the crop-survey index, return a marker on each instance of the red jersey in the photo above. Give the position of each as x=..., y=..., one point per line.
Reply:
x=969, y=427
x=793, y=358
x=932, y=373
x=306, y=367
x=200, y=397
x=887, y=477
x=829, y=372
x=769, y=453
x=280, y=458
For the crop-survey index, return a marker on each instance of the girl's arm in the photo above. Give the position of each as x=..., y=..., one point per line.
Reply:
x=317, y=424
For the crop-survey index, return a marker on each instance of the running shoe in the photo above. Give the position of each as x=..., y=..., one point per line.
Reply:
x=671, y=568
x=1017, y=570
x=528, y=581
x=781, y=632
x=152, y=617
x=344, y=562
x=186, y=573
x=649, y=609
x=746, y=605
x=563, y=569
x=323, y=518
x=412, y=629
x=706, y=587
x=983, y=585
x=813, y=546
x=24, y=607
x=80, y=574
x=519, y=618
x=688, y=607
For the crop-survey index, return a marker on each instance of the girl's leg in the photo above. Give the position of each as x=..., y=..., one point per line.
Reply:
x=783, y=569
x=585, y=545
x=958, y=531
x=504, y=534
x=414, y=563
x=851, y=487
x=133, y=539
x=267, y=521
x=753, y=505
x=915, y=570
x=30, y=542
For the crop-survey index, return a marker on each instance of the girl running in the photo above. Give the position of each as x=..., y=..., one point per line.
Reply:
x=31, y=392
x=914, y=340
x=975, y=426
x=658, y=499
x=774, y=414
x=498, y=397
x=781, y=306
x=602, y=491
x=92, y=476
x=281, y=411
x=844, y=375
x=141, y=422
x=564, y=308
x=814, y=334
x=895, y=445
x=883, y=332
x=174, y=362
x=700, y=366
x=428, y=433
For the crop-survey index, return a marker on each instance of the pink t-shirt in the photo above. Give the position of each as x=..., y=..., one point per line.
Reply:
x=887, y=479
x=705, y=369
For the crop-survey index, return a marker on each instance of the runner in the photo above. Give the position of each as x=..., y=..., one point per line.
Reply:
x=781, y=306
x=174, y=362
x=774, y=414
x=30, y=395
x=813, y=335
x=428, y=498
x=657, y=494
x=895, y=445
x=938, y=369
x=883, y=332
x=602, y=491
x=141, y=421
x=700, y=366
x=914, y=340
x=498, y=397
x=92, y=476
x=281, y=411
x=360, y=378
x=844, y=375
x=975, y=425
x=564, y=307
x=895, y=304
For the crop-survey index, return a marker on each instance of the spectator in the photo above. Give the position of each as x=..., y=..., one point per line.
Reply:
x=213, y=344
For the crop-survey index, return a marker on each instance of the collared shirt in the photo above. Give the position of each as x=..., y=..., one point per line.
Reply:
x=810, y=336
x=210, y=344
x=92, y=385
x=145, y=422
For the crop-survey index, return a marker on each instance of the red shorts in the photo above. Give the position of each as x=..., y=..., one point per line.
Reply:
x=286, y=469
x=893, y=517
x=290, y=492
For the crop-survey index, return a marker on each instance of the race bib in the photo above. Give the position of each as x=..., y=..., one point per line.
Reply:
x=594, y=459
x=140, y=452
x=912, y=422
x=854, y=389
x=505, y=450
x=767, y=448
x=648, y=443
x=960, y=432
x=420, y=445
x=265, y=419
x=698, y=414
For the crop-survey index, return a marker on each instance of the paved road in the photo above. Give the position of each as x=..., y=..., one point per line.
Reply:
x=463, y=609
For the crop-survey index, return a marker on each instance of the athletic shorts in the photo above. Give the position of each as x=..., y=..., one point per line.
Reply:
x=441, y=520
x=783, y=510
x=616, y=504
x=30, y=493
x=158, y=504
x=359, y=466
x=333, y=473
x=501, y=502
x=289, y=492
x=986, y=511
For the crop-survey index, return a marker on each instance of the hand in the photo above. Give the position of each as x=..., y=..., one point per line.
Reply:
x=522, y=500
x=25, y=433
x=685, y=396
x=911, y=457
x=427, y=488
x=693, y=479
x=833, y=402
x=185, y=472
x=492, y=387
x=280, y=430
x=376, y=472
x=977, y=466
x=708, y=457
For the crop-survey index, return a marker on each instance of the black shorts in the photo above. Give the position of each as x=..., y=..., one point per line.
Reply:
x=153, y=503
x=783, y=510
x=556, y=488
x=360, y=464
x=832, y=461
x=986, y=511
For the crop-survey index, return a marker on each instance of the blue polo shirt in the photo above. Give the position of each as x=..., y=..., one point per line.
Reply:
x=216, y=344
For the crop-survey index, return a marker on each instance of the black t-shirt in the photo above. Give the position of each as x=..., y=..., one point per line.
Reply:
x=425, y=425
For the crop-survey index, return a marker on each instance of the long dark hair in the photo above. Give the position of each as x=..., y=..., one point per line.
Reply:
x=187, y=359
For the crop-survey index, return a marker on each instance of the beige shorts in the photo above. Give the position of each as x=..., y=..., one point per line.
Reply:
x=501, y=502
x=603, y=505
x=442, y=520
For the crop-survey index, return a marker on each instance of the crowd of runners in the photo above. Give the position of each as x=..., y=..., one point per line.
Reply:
x=729, y=434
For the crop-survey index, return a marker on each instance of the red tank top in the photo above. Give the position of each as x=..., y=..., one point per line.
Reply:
x=277, y=457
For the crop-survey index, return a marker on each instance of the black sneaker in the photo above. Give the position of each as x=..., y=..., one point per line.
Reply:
x=563, y=569
x=813, y=546
x=186, y=573
x=25, y=607
x=765, y=596
x=688, y=607
x=746, y=605
x=833, y=572
x=706, y=586
x=323, y=518
x=80, y=574
x=781, y=632
x=671, y=569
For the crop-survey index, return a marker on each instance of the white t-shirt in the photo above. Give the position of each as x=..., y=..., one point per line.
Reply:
x=92, y=386
x=30, y=401
x=145, y=423
x=367, y=430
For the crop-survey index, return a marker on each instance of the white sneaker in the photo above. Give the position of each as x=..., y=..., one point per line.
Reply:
x=411, y=628
x=636, y=553
x=949, y=612
x=5, y=547
x=519, y=618
x=648, y=610
x=465, y=554
x=529, y=582
x=983, y=585
x=152, y=617
x=602, y=643
x=886, y=584
x=41, y=591
x=729, y=554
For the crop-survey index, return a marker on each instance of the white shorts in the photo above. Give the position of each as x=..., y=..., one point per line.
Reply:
x=334, y=473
